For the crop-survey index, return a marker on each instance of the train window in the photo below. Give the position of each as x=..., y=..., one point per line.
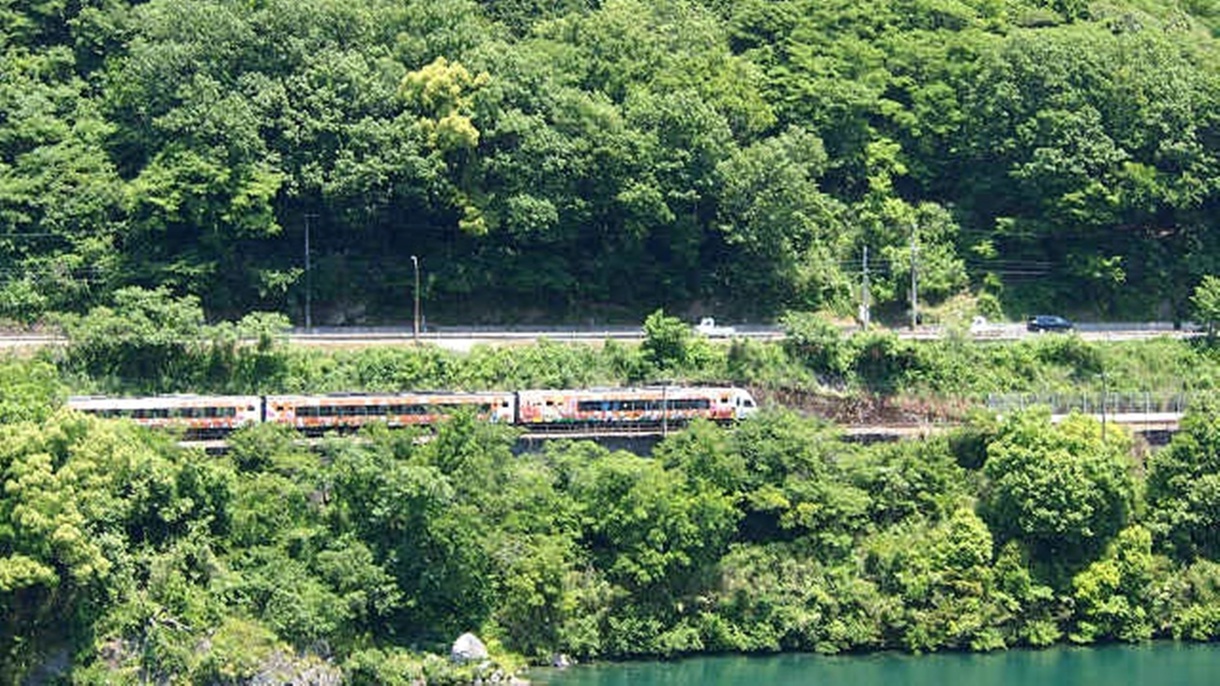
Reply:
x=599, y=405
x=689, y=404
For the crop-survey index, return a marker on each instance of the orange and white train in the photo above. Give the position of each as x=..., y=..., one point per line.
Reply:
x=211, y=417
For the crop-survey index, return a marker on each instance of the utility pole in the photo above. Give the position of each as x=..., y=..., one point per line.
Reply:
x=665, y=410
x=308, y=280
x=415, y=263
x=1104, y=402
x=914, y=279
x=865, y=296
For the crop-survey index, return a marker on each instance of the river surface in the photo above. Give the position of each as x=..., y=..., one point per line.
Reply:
x=1155, y=664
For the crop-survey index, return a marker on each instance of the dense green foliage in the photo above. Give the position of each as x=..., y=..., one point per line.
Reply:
x=132, y=559
x=600, y=160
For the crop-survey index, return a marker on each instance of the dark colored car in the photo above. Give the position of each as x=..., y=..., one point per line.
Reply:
x=1048, y=322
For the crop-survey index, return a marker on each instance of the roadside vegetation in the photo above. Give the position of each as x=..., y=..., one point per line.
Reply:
x=151, y=342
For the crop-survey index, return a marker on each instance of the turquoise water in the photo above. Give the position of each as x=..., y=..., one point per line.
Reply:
x=1156, y=664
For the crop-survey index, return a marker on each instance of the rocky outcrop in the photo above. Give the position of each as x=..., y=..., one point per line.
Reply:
x=468, y=648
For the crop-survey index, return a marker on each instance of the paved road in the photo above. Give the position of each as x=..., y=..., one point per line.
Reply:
x=464, y=338
x=459, y=338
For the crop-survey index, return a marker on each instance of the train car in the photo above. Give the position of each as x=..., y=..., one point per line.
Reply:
x=640, y=407
x=317, y=414
x=200, y=417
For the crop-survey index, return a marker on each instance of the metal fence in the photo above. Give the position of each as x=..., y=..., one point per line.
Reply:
x=1092, y=403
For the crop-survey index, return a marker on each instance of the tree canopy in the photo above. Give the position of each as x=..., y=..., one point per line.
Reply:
x=602, y=160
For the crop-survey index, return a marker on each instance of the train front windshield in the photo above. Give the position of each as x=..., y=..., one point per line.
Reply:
x=745, y=405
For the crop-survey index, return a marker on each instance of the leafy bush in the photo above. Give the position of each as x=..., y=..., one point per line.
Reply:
x=815, y=342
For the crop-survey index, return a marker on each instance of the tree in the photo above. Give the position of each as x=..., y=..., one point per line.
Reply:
x=651, y=531
x=1183, y=489
x=783, y=237
x=1206, y=303
x=29, y=391
x=146, y=338
x=1058, y=489
x=797, y=485
x=60, y=195
x=98, y=514
x=426, y=537
x=667, y=341
x=1115, y=595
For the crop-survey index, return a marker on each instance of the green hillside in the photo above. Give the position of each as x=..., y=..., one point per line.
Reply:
x=594, y=161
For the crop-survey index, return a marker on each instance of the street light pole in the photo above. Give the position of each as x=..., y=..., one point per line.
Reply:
x=415, y=263
x=865, y=295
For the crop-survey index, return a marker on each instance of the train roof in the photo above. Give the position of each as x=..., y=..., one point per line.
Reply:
x=392, y=394
x=693, y=390
x=160, y=400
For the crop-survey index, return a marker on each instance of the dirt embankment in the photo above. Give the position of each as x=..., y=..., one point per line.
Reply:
x=864, y=409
